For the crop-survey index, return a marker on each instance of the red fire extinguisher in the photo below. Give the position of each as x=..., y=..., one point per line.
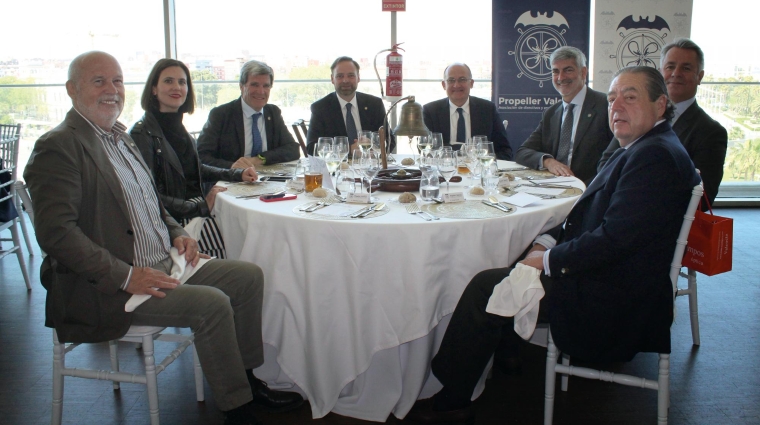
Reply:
x=394, y=71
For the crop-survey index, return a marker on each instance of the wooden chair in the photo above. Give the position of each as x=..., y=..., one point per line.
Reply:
x=9, y=145
x=144, y=335
x=299, y=128
x=662, y=384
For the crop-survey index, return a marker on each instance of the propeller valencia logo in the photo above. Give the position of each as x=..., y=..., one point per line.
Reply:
x=539, y=37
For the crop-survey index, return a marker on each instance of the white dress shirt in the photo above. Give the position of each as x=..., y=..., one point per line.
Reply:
x=454, y=118
x=354, y=112
x=248, y=126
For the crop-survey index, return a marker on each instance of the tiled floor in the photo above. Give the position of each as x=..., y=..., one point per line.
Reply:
x=717, y=383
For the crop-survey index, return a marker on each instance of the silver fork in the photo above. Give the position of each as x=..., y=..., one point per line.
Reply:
x=319, y=205
x=415, y=209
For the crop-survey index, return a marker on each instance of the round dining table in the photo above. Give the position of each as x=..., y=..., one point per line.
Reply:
x=355, y=308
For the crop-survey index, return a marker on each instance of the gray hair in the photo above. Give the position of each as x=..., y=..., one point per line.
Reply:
x=568, y=52
x=684, y=43
x=254, y=68
x=655, y=84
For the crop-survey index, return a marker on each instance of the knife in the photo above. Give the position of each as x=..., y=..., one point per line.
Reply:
x=497, y=206
x=361, y=211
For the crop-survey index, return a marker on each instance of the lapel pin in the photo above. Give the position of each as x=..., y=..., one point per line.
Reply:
x=269, y=118
x=589, y=115
x=365, y=108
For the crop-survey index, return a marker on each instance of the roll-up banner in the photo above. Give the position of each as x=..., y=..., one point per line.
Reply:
x=630, y=33
x=525, y=33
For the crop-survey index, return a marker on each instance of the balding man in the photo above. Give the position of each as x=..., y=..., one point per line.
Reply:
x=107, y=236
x=682, y=64
x=460, y=116
x=591, y=267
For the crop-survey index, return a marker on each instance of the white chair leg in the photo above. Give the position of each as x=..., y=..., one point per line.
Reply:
x=20, y=255
x=113, y=348
x=693, y=306
x=663, y=391
x=22, y=220
x=150, y=374
x=565, y=378
x=59, y=362
x=551, y=375
x=199, y=393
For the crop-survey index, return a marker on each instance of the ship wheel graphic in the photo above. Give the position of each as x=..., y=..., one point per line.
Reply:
x=639, y=48
x=533, y=49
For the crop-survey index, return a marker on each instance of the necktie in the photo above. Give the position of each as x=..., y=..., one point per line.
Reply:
x=350, y=125
x=566, y=136
x=461, y=130
x=256, y=149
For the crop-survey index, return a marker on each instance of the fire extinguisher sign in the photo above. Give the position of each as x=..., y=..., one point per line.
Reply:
x=394, y=5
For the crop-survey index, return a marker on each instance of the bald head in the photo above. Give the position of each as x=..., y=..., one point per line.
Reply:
x=96, y=88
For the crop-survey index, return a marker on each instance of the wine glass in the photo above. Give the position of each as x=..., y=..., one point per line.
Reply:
x=485, y=154
x=365, y=140
x=340, y=146
x=447, y=166
x=324, y=144
x=423, y=146
x=436, y=143
x=332, y=160
x=465, y=164
x=370, y=165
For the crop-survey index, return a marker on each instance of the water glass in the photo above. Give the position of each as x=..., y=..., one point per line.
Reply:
x=430, y=186
x=345, y=181
x=490, y=179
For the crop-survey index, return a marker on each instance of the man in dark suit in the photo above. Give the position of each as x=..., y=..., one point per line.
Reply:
x=573, y=133
x=330, y=115
x=605, y=273
x=99, y=218
x=682, y=65
x=460, y=116
x=247, y=132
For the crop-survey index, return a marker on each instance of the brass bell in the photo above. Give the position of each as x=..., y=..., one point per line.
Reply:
x=411, y=123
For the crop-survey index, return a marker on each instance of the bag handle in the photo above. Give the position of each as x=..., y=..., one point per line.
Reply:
x=707, y=201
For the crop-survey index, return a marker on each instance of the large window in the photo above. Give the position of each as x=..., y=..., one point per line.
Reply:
x=300, y=39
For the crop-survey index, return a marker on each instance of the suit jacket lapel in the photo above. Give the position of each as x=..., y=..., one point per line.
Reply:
x=237, y=120
x=687, y=118
x=94, y=147
x=587, y=115
x=336, y=116
x=556, y=124
x=445, y=118
x=268, y=126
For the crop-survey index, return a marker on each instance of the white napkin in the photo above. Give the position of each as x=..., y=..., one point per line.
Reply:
x=180, y=270
x=518, y=296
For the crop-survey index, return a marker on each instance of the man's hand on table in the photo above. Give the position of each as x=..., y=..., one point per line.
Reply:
x=557, y=168
x=246, y=162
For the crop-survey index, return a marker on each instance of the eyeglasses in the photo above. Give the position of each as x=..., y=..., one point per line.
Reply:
x=460, y=80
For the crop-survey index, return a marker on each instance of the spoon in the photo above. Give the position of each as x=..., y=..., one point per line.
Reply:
x=377, y=207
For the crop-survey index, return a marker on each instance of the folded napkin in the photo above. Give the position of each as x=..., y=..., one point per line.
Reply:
x=518, y=296
x=180, y=270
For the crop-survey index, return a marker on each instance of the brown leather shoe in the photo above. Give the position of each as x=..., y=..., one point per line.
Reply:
x=423, y=413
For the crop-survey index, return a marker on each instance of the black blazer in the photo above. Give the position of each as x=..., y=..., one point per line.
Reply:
x=706, y=142
x=222, y=140
x=611, y=294
x=591, y=137
x=484, y=119
x=327, y=118
x=169, y=174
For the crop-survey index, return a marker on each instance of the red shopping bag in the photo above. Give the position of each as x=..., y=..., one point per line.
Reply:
x=710, y=247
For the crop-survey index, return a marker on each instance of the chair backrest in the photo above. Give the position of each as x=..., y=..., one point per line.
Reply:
x=9, y=145
x=298, y=128
x=683, y=235
x=26, y=199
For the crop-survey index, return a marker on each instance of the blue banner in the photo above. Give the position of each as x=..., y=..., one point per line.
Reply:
x=525, y=33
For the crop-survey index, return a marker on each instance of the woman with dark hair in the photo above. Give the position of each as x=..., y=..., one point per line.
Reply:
x=169, y=150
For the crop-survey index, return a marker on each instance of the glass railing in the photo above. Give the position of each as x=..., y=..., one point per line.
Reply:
x=736, y=105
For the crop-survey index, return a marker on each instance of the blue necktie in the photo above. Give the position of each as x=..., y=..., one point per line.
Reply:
x=461, y=130
x=350, y=125
x=256, y=148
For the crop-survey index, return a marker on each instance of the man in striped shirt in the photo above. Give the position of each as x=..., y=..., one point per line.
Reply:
x=108, y=237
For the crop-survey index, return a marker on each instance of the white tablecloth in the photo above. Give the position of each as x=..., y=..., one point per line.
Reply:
x=355, y=310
